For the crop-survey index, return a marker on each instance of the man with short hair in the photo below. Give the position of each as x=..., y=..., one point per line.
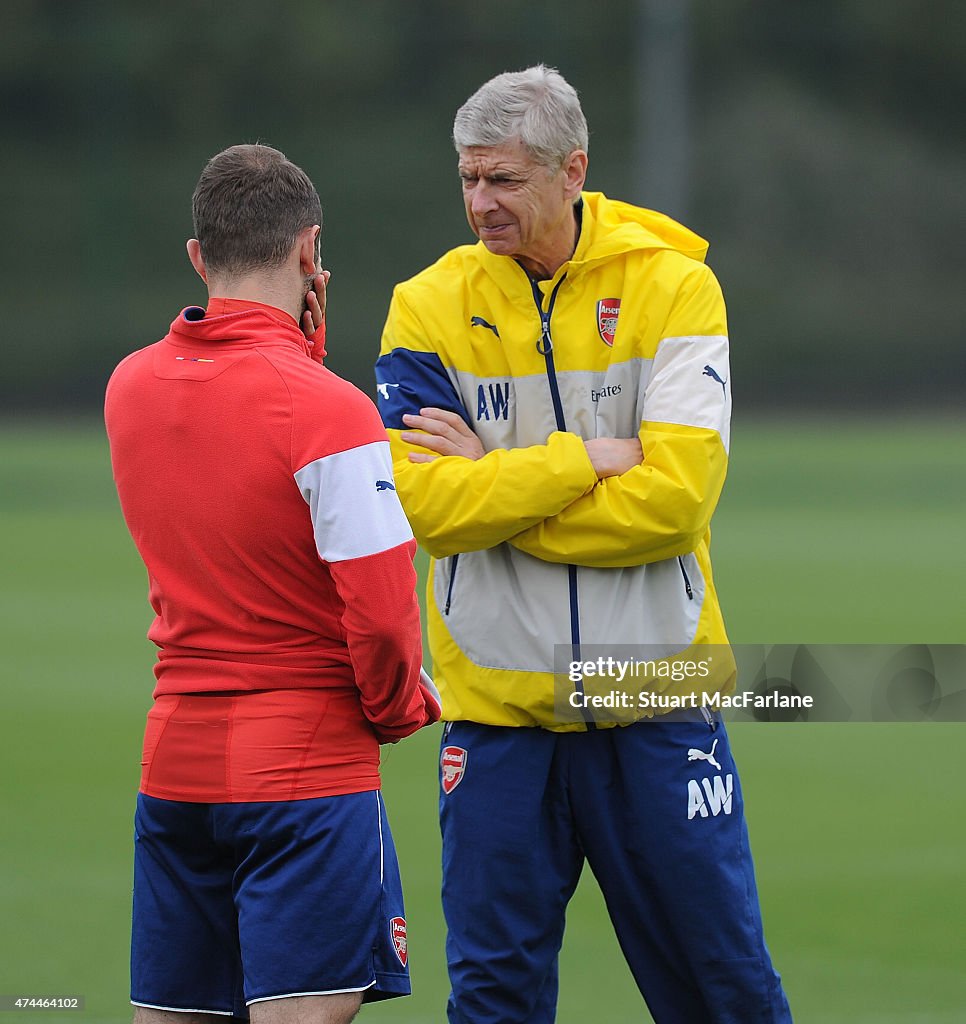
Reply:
x=257, y=486
x=558, y=400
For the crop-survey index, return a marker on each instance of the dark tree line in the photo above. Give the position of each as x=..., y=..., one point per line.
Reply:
x=827, y=166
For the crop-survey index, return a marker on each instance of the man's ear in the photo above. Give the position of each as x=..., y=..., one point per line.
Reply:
x=197, y=260
x=575, y=173
x=306, y=245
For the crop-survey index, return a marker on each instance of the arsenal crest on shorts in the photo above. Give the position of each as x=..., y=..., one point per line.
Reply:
x=397, y=928
x=452, y=763
x=607, y=313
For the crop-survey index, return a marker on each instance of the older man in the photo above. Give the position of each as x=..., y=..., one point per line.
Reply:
x=558, y=401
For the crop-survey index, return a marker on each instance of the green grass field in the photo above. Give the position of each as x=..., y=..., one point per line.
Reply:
x=829, y=531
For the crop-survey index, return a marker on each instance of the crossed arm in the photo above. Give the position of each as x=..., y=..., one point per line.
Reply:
x=447, y=434
x=601, y=502
x=652, y=497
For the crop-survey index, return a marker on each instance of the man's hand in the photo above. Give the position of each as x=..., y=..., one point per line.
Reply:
x=446, y=434
x=611, y=456
x=313, y=319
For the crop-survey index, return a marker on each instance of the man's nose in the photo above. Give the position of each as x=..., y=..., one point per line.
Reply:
x=483, y=200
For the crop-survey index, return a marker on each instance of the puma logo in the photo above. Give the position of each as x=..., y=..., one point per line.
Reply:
x=699, y=755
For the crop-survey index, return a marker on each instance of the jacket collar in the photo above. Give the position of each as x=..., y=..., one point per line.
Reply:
x=252, y=325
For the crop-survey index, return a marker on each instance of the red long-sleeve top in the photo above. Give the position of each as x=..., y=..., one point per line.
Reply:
x=258, y=488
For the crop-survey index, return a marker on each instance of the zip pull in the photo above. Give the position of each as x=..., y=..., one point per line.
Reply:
x=545, y=344
x=452, y=580
x=687, y=582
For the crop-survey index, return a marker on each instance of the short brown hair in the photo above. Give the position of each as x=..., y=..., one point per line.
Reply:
x=249, y=206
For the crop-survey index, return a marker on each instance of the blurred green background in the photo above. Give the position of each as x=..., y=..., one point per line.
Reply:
x=819, y=145
x=820, y=149
x=858, y=829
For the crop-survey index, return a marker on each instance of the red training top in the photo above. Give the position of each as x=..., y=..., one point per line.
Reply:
x=258, y=488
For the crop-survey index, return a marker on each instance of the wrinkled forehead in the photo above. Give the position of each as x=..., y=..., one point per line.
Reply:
x=510, y=157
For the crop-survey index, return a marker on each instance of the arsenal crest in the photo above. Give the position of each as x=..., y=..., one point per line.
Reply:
x=397, y=928
x=607, y=313
x=452, y=762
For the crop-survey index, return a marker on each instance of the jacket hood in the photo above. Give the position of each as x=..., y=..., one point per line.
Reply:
x=610, y=228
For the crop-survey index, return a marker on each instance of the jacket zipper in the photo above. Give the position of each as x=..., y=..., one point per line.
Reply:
x=545, y=348
x=687, y=582
x=452, y=580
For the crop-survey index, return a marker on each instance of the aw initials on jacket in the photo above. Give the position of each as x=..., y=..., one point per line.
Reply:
x=493, y=400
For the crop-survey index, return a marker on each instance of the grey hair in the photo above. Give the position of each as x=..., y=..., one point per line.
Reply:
x=537, y=105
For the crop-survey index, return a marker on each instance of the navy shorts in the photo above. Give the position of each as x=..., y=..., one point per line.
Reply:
x=655, y=809
x=239, y=903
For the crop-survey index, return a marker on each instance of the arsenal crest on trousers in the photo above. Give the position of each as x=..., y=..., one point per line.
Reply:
x=452, y=763
x=398, y=930
x=607, y=313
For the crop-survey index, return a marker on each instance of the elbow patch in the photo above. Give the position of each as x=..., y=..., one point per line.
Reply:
x=690, y=384
x=407, y=381
x=352, y=500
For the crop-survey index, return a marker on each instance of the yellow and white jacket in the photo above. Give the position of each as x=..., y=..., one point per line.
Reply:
x=532, y=556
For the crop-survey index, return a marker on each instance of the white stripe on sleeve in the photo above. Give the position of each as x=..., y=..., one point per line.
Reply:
x=690, y=384
x=353, y=503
